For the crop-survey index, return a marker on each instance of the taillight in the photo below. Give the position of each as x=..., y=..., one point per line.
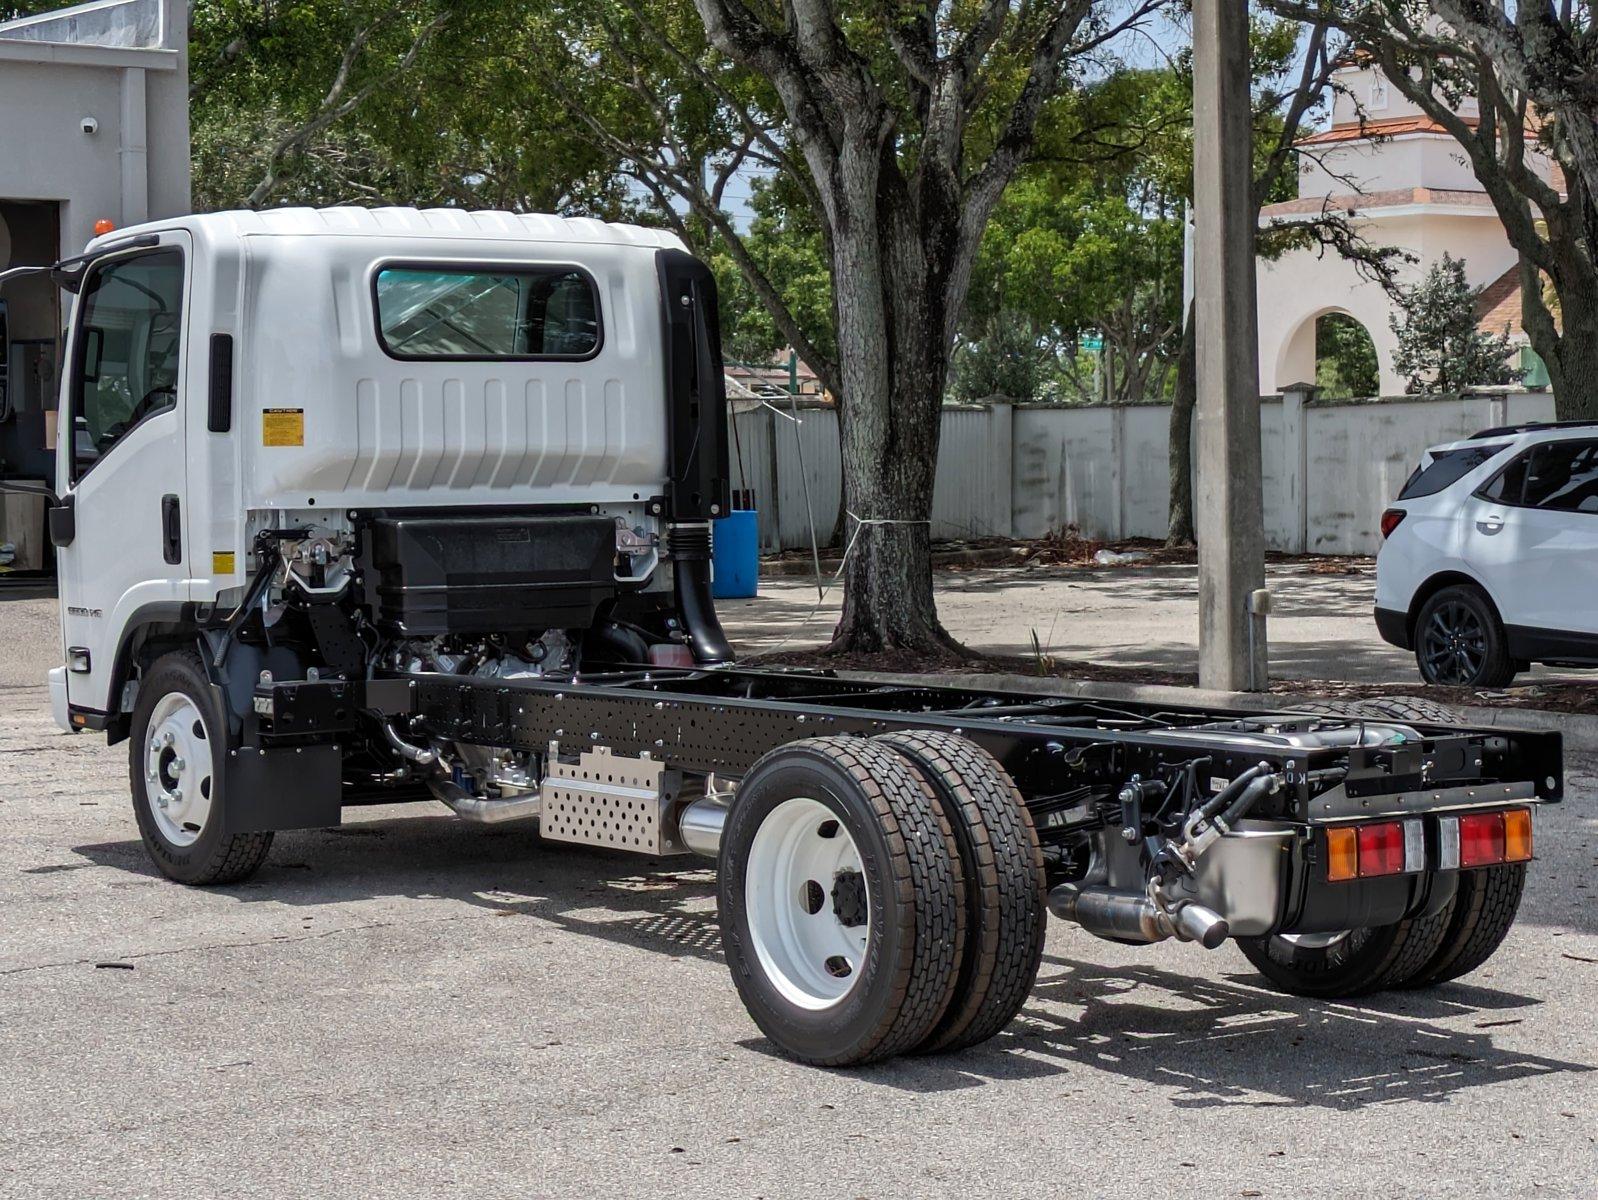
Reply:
x=1376, y=849
x=1484, y=839
x=1390, y=520
x=1481, y=839
x=1381, y=849
x=1373, y=849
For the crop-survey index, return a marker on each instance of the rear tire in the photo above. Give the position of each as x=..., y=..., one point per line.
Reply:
x=1357, y=963
x=1002, y=862
x=842, y=902
x=1484, y=908
x=177, y=740
x=1459, y=641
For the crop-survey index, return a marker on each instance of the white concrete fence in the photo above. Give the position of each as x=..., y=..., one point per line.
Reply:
x=1330, y=467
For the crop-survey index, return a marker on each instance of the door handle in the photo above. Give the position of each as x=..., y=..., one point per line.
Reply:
x=171, y=530
x=1491, y=524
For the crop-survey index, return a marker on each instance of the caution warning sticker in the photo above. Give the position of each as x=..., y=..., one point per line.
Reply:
x=283, y=427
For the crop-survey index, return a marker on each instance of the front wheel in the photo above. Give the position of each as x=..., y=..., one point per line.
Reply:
x=178, y=741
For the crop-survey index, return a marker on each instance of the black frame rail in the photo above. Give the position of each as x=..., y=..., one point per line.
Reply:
x=721, y=720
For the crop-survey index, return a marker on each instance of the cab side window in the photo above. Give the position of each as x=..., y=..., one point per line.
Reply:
x=128, y=355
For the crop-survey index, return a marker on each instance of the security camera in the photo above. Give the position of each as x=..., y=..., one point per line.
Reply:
x=89, y=125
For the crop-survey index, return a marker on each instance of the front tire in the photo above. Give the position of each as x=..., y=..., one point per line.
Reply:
x=1459, y=641
x=841, y=900
x=178, y=739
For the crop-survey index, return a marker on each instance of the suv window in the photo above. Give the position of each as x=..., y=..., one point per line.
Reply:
x=487, y=313
x=1563, y=476
x=1447, y=467
x=128, y=352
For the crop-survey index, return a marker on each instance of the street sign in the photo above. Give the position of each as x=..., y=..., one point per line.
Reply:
x=1092, y=340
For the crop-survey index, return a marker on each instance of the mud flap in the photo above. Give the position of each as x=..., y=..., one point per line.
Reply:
x=287, y=787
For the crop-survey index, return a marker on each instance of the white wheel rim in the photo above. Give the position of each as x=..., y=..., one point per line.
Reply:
x=808, y=951
x=1313, y=941
x=178, y=771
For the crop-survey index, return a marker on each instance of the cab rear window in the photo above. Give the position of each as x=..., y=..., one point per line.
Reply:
x=450, y=312
x=1446, y=467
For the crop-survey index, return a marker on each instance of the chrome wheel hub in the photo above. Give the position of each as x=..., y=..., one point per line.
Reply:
x=178, y=774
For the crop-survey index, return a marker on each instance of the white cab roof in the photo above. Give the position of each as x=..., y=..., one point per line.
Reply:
x=408, y=223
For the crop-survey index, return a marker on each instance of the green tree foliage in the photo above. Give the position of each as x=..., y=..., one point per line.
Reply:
x=1440, y=347
x=1345, y=358
x=426, y=102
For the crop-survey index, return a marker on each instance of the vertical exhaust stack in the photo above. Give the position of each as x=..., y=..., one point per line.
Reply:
x=697, y=488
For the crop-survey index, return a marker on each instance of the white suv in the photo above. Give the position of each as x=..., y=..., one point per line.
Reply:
x=1490, y=558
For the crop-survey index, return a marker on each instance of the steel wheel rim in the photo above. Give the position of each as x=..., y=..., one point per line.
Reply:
x=1314, y=941
x=179, y=778
x=1454, y=643
x=804, y=947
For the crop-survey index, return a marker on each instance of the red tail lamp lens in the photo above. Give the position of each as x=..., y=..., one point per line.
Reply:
x=1481, y=839
x=1390, y=520
x=1381, y=849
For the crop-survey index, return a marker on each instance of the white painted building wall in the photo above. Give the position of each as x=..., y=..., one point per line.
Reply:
x=1329, y=468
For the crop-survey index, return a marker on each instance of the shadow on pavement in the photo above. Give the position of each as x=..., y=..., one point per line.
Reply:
x=1217, y=1041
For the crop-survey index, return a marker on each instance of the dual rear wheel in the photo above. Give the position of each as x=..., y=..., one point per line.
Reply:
x=880, y=897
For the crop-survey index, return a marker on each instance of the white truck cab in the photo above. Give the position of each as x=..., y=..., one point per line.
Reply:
x=235, y=372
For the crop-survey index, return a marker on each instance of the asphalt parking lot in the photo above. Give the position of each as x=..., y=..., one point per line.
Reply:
x=411, y=1006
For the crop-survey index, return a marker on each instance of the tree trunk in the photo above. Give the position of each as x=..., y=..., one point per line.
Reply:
x=889, y=300
x=1568, y=346
x=1179, y=529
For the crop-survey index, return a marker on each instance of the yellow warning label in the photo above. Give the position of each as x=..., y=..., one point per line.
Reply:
x=222, y=562
x=283, y=427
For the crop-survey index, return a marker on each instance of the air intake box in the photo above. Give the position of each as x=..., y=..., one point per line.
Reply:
x=427, y=575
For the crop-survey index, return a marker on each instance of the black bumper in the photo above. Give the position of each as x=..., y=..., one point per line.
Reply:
x=1394, y=628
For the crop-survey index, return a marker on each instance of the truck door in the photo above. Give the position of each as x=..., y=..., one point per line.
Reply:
x=123, y=466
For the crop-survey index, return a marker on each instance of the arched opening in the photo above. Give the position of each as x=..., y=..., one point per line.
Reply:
x=1345, y=358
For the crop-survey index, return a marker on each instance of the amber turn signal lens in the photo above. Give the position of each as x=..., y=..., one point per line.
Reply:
x=1517, y=835
x=1342, y=854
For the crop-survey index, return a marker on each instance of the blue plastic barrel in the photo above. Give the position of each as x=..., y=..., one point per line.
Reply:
x=736, y=555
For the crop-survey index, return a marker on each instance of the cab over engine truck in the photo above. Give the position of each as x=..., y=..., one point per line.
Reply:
x=364, y=506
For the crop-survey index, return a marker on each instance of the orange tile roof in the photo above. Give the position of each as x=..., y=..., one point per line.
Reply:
x=1385, y=127
x=1390, y=198
x=1498, y=305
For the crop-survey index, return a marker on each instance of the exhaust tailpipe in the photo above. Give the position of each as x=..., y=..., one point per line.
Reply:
x=1132, y=917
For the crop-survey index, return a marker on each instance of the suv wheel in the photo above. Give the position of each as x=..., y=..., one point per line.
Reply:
x=1459, y=641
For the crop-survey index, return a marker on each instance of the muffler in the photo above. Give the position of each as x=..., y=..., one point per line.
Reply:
x=1132, y=917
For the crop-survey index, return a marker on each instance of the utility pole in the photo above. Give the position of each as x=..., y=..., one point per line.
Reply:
x=1228, y=510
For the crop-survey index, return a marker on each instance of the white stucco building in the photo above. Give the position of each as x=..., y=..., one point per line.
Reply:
x=1404, y=182
x=94, y=127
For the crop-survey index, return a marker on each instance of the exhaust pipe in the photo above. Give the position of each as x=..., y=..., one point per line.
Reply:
x=482, y=809
x=1132, y=917
x=700, y=823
